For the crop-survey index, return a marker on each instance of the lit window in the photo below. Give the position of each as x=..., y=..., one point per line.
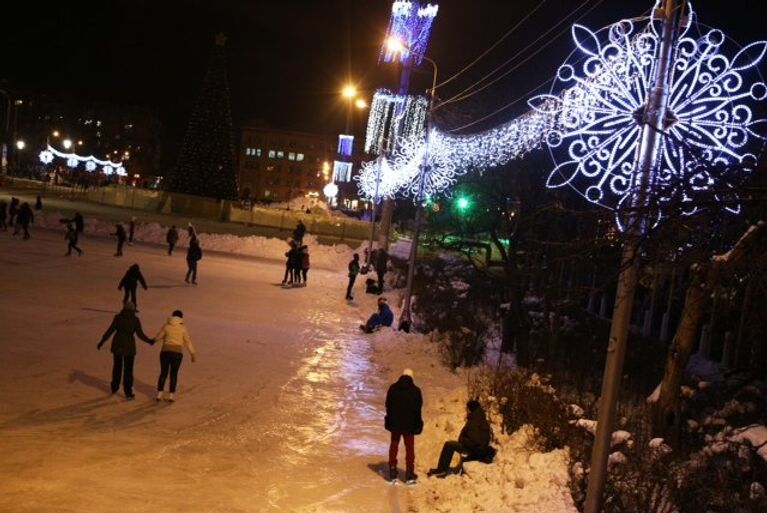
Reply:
x=247, y=151
x=299, y=157
x=258, y=152
x=291, y=156
x=280, y=155
x=271, y=154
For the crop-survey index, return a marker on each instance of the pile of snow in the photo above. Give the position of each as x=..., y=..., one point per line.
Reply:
x=329, y=257
x=520, y=479
x=755, y=435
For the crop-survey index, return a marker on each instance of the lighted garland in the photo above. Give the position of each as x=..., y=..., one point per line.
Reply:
x=73, y=160
x=410, y=23
x=394, y=117
x=600, y=113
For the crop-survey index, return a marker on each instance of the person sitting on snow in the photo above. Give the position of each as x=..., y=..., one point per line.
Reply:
x=473, y=442
x=384, y=317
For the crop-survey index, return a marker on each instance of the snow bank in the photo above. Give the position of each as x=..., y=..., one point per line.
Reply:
x=520, y=479
x=328, y=257
x=755, y=435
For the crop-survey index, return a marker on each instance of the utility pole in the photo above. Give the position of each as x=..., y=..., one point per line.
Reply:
x=654, y=122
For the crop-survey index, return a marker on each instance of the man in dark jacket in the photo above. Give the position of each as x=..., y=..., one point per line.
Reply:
x=13, y=210
x=124, y=326
x=473, y=442
x=171, y=238
x=130, y=282
x=120, y=234
x=193, y=255
x=354, y=270
x=79, y=222
x=23, y=218
x=381, y=261
x=298, y=233
x=3, y=215
x=384, y=317
x=403, y=420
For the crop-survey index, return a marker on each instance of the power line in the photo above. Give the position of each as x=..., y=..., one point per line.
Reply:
x=465, y=94
x=499, y=41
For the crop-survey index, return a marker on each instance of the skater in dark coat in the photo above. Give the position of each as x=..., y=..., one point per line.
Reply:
x=296, y=261
x=298, y=233
x=3, y=215
x=403, y=420
x=39, y=203
x=381, y=261
x=193, y=255
x=171, y=238
x=79, y=222
x=124, y=326
x=473, y=442
x=120, y=234
x=304, y=262
x=384, y=317
x=289, y=262
x=71, y=237
x=354, y=270
x=130, y=282
x=23, y=218
x=13, y=210
x=131, y=230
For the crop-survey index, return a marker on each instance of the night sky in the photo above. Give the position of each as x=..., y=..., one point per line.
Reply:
x=288, y=59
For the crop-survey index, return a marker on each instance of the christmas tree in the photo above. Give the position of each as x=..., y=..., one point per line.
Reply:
x=206, y=163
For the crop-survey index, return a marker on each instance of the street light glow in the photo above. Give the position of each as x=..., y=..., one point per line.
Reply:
x=66, y=143
x=349, y=91
x=361, y=104
x=395, y=45
x=20, y=144
x=55, y=133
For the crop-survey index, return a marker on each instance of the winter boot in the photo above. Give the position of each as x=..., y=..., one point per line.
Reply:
x=392, y=473
x=159, y=395
x=411, y=477
x=171, y=397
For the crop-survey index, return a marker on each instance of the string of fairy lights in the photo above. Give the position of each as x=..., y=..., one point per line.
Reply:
x=90, y=163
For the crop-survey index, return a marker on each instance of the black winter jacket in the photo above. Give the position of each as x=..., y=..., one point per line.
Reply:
x=475, y=435
x=132, y=278
x=194, y=252
x=403, y=407
x=124, y=326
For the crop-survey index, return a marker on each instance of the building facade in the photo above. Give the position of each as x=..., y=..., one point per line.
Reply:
x=280, y=165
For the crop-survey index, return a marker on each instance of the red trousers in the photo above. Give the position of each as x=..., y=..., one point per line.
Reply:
x=409, y=450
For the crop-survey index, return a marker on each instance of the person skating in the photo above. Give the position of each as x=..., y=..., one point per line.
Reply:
x=174, y=337
x=71, y=237
x=381, y=261
x=13, y=210
x=193, y=255
x=23, y=218
x=298, y=233
x=3, y=215
x=403, y=420
x=304, y=262
x=131, y=230
x=129, y=284
x=38, y=203
x=124, y=326
x=120, y=234
x=354, y=270
x=289, y=259
x=384, y=317
x=296, y=263
x=171, y=238
x=79, y=222
x=473, y=442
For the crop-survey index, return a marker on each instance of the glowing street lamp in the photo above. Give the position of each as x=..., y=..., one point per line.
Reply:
x=20, y=144
x=360, y=103
x=349, y=91
x=395, y=45
x=55, y=133
x=66, y=143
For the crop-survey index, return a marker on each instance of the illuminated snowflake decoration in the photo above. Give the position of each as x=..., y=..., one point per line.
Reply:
x=90, y=166
x=72, y=162
x=599, y=116
x=46, y=157
x=108, y=170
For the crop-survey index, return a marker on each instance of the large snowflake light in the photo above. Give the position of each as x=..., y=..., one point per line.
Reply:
x=599, y=116
x=410, y=23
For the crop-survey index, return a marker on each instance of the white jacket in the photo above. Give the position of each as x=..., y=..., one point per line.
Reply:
x=174, y=336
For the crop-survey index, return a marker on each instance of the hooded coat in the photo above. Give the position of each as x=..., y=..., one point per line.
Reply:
x=475, y=435
x=132, y=278
x=403, y=407
x=124, y=326
x=174, y=336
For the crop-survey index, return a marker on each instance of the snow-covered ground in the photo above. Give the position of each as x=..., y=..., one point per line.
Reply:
x=283, y=410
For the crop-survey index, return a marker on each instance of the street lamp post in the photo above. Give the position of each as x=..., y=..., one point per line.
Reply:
x=406, y=318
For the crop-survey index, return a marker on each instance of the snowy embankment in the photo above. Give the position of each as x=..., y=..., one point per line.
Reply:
x=520, y=479
x=323, y=256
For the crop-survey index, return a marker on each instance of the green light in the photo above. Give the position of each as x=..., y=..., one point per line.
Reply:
x=463, y=203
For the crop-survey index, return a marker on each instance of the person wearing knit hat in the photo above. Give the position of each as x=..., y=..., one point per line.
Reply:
x=124, y=326
x=174, y=338
x=403, y=420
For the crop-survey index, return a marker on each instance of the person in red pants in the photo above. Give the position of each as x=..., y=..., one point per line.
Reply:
x=403, y=420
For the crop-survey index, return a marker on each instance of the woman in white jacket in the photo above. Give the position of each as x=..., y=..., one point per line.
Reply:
x=173, y=337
